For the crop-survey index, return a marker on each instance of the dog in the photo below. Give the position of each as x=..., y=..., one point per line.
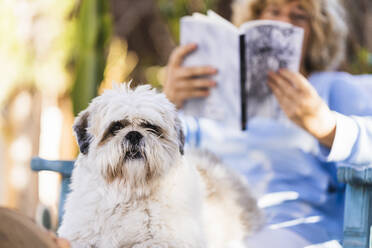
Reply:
x=133, y=186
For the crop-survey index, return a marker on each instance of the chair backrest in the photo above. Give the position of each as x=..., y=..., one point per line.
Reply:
x=64, y=167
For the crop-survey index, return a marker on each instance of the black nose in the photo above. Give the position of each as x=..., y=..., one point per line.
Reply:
x=134, y=137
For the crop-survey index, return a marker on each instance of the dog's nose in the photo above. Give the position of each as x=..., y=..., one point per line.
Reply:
x=134, y=137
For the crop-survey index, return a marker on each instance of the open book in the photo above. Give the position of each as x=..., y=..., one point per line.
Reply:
x=243, y=56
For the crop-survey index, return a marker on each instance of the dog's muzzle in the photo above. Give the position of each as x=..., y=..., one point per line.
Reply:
x=134, y=138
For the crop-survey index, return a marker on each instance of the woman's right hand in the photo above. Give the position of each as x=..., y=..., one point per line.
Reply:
x=183, y=82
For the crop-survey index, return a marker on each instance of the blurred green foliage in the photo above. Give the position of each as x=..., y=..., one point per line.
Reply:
x=94, y=27
x=362, y=62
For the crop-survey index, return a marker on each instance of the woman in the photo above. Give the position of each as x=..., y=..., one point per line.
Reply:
x=291, y=165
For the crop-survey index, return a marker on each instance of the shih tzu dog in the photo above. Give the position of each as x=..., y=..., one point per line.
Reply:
x=132, y=185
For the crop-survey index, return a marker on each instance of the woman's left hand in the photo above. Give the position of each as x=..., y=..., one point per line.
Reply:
x=302, y=104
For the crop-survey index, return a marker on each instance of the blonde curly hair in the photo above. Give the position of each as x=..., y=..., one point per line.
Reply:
x=328, y=27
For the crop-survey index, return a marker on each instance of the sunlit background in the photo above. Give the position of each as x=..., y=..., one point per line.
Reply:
x=55, y=55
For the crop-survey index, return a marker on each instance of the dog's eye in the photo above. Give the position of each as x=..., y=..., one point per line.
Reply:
x=152, y=128
x=116, y=127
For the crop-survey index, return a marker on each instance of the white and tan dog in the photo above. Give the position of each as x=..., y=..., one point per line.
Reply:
x=132, y=186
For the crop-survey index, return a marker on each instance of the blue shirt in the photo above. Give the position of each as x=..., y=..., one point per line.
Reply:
x=292, y=175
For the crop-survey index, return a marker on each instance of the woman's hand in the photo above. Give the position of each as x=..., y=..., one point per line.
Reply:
x=302, y=104
x=182, y=82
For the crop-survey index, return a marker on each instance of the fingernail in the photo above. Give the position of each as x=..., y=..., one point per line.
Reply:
x=213, y=70
x=193, y=45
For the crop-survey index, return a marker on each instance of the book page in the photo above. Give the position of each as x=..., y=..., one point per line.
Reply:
x=218, y=46
x=270, y=45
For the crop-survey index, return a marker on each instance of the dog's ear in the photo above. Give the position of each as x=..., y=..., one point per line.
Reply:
x=180, y=135
x=81, y=133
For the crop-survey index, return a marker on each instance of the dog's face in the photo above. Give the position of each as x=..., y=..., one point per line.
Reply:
x=129, y=135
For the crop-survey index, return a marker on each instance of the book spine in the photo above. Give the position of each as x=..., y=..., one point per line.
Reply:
x=243, y=80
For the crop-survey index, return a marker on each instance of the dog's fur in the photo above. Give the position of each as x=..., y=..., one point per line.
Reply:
x=132, y=186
